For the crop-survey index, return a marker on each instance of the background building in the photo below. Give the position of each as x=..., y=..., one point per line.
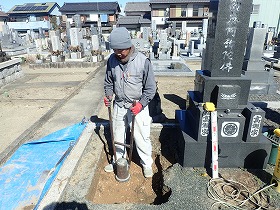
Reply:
x=268, y=12
x=32, y=16
x=137, y=15
x=92, y=13
x=164, y=12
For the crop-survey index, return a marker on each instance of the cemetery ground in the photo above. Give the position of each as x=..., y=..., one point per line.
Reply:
x=173, y=94
x=35, y=98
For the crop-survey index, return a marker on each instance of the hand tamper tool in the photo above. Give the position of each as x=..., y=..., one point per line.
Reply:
x=122, y=164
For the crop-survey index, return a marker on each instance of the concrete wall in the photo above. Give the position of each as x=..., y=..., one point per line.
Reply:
x=29, y=25
x=10, y=71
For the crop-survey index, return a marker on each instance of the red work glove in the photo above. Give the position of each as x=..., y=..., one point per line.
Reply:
x=107, y=101
x=136, y=109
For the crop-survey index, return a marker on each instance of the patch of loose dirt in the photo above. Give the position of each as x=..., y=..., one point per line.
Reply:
x=137, y=189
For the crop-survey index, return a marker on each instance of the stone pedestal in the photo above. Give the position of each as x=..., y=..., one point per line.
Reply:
x=76, y=55
x=253, y=155
x=206, y=84
x=239, y=124
x=94, y=58
x=262, y=81
x=39, y=61
x=54, y=58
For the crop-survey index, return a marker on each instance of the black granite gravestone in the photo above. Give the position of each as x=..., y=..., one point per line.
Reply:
x=241, y=143
x=277, y=52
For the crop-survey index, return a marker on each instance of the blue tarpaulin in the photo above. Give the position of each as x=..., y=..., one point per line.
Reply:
x=28, y=174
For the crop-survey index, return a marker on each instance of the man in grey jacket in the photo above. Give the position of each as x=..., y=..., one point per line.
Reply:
x=129, y=77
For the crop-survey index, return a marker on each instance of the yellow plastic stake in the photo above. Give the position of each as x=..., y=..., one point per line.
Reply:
x=209, y=106
x=277, y=132
x=276, y=175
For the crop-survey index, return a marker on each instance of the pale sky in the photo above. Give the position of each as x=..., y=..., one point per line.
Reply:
x=6, y=5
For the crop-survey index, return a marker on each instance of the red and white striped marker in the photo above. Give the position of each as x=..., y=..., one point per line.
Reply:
x=214, y=133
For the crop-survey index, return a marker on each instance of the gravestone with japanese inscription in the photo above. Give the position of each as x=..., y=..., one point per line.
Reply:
x=241, y=143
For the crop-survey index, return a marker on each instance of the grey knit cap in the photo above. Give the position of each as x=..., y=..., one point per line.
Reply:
x=120, y=38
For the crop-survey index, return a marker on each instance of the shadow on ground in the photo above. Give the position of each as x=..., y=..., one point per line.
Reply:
x=106, y=133
x=176, y=100
x=67, y=205
x=272, y=115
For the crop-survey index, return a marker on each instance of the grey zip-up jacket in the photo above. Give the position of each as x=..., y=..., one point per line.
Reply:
x=130, y=81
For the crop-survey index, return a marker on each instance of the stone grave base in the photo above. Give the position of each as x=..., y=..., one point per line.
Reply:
x=263, y=88
x=251, y=155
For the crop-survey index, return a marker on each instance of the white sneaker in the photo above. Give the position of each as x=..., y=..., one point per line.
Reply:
x=109, y=168
x=148, y=172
